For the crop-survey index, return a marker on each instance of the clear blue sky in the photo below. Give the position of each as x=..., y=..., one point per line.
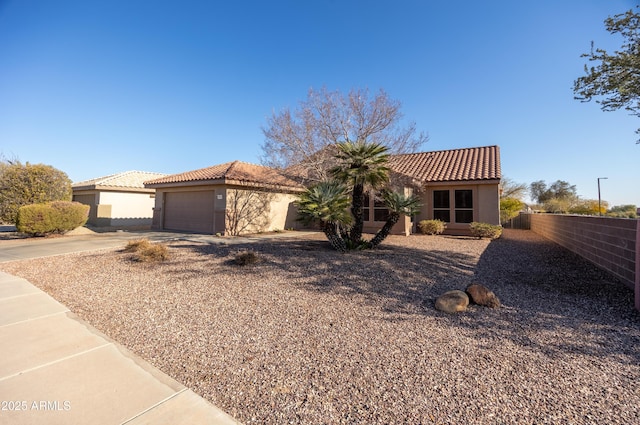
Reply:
x=99, y=87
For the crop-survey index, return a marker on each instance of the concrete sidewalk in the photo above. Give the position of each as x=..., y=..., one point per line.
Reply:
x=57, y=369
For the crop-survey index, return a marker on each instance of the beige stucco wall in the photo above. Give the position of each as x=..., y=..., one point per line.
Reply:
x=283, y=212
x=486, y=203
x=278, y=214
x=114, y=208
x=259, y=211
x=128, y=205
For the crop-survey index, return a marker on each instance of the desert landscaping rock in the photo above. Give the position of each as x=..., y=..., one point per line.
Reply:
x=452, y=301
x=310, y=336
x=481, y=295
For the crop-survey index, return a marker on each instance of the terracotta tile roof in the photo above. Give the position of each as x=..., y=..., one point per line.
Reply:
x=236, y=172
x=482, y=163
x=127, y=179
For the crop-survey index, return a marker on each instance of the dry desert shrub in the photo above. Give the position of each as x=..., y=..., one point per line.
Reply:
x=147, y=252
x=245, y=258
x=137, y=245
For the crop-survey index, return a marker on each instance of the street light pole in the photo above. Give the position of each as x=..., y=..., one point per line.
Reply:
x=599, y=199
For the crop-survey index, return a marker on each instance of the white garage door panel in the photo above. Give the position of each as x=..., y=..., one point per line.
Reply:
x=189, y=211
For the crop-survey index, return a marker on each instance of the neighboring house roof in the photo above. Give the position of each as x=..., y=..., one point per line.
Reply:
x=236, y=172
x=469, y=164
x=125, y=180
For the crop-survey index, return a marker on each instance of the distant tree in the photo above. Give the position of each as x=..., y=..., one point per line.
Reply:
x=557, y=205
x=511, y=189
x=623, y=211
x=511, y=198
x=589, y=207
x=309, y=134
x=538, y=191
x=560, y=190
x=25, y=184
x=615, y=80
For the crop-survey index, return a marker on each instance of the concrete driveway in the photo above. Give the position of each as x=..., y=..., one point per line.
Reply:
x=19, y=249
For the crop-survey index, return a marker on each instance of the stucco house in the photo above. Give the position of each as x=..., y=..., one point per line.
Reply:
x=457, y=186
x=231, y=198
x=118, y=199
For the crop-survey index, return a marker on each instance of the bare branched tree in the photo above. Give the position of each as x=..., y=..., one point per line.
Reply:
x=306, y=137
x=512, y=189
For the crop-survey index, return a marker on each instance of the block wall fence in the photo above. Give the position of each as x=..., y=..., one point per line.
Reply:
x=612, y=244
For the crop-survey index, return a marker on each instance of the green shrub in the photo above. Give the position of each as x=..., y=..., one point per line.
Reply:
x=485, y=230
x=28, y=184
x=51, y=217
x=432, y=227
x=245, y=258
x=510, y=208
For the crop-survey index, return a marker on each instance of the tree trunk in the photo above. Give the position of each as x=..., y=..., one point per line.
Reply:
x=344, y=232
x=385, y=231
x=332, y=232
x=357, y=212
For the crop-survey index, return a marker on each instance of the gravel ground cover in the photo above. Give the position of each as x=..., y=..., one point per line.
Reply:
x=308, y=335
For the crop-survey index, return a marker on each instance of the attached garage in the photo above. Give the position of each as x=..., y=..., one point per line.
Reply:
x=231, y=198
x=190, y=211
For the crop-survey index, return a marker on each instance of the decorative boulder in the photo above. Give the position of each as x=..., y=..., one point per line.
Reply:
x=481, y=295
x=452, y=302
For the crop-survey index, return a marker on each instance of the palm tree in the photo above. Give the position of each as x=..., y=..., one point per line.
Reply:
x=397, y=203
x=327, y=203
x=360, y=164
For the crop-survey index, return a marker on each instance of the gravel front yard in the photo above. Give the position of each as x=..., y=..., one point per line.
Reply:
x=312, y=336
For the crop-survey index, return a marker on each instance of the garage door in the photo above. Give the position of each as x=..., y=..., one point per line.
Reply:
x=189, y=211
